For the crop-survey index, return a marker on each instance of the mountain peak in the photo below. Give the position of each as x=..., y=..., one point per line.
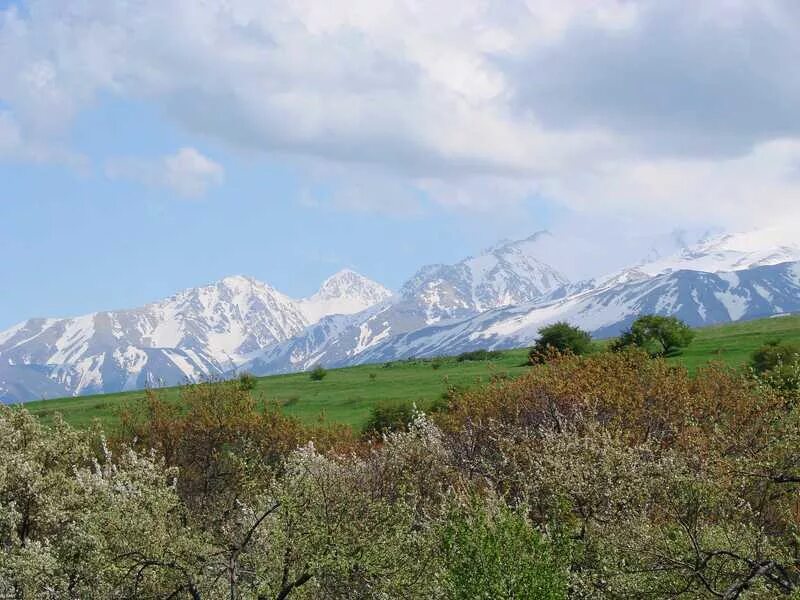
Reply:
x=506, y=244
x=508, y=273
x=345, y=292
x=236, y=281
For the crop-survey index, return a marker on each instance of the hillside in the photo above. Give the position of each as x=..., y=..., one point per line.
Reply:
x=348, y=395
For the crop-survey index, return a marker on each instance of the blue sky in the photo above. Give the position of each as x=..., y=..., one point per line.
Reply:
x=76, y=241
x=148, y=148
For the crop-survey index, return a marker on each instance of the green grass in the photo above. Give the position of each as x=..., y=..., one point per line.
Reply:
x=348, y=395
x=734, y=343
x=344, y=396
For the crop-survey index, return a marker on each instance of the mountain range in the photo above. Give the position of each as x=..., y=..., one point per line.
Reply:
x=497, y=299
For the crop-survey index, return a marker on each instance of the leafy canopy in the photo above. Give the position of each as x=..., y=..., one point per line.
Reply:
x=667, y=334
x=563, y=338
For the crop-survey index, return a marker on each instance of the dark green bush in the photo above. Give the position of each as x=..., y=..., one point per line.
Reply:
x=247, y=381
x=560, y=338
x=774, y=354
x=318, y=374
x=479, y=355
x=389, y=417
x=662, y=336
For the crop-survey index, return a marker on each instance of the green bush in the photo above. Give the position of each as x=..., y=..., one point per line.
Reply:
x=662, y=336
x=773, y=354
x=560, y=337
x=318, y=374
x=389, y=417
x=497, y=553
x=247, y=382
x=777, y=364
x=478, y=355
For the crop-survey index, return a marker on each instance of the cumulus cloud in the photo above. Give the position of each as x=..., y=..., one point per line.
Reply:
x=614, y=105
x=187, y=172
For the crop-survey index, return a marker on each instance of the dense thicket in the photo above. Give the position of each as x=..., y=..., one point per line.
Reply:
x=607, y=476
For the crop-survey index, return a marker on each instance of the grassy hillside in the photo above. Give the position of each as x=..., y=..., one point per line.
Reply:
x=348, y=395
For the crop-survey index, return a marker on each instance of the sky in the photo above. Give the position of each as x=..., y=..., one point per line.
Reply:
x=150, y=146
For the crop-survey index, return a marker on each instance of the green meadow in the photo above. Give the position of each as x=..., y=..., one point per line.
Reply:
x=348, y=395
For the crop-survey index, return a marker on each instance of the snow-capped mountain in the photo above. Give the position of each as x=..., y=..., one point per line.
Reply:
x=437, y=314
x=731, y=252
x=344, y=293
x=696, y=297
x=504, y=275
x=498, y=299
x=198, y=333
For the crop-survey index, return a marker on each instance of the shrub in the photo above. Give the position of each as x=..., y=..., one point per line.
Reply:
x=478, y=355
x=663, y=336
x=436, y=364
x=318, y=373
x=389, y=417
x=492, y=551
x=247, y=381
x=562, y=338
x=774, y=354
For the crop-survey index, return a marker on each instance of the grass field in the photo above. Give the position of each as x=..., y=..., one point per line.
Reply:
x=348, y=395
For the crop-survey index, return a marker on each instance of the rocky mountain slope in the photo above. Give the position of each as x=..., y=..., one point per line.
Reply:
x=504, y=275
x=721, y=279
x=199, y=333
x=696, y=297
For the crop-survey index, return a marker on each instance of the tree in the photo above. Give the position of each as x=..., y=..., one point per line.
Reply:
x=318, y=374
x=668, y=334
x=561, y=337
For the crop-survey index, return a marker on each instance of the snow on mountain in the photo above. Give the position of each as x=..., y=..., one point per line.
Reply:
x=696, y=297
x=504, y=275
x=731, y=252
x=497, y=299
x=344, y=293
x=200, y=332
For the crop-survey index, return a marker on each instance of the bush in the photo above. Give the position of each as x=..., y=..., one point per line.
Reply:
x=495, y=552
x=318, y=374
x=662, y=336
x=774, y=354
x=777, y=364
x=478, y=355
x=389, y=417
x=612, y=475
x=561, y=338
x=247, y=382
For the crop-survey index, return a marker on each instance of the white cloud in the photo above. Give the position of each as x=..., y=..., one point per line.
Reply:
x=187, y=172
x=670, y=110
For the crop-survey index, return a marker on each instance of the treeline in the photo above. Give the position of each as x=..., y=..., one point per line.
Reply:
x=611, y=475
